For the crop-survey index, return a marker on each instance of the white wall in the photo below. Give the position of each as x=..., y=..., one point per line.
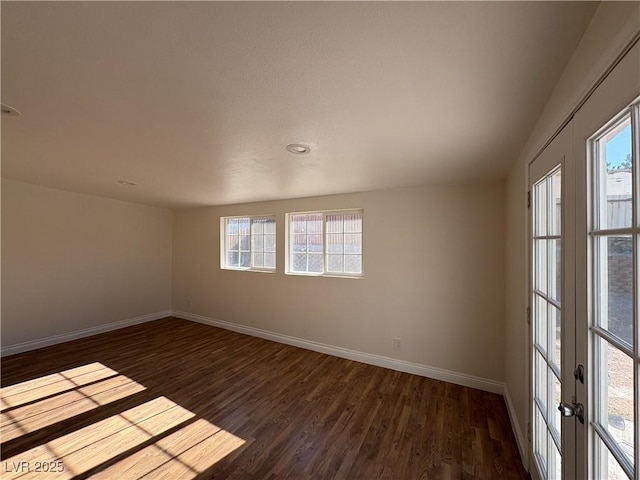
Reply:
x=516, y=348
x=434, y=277
x=72, y=261
x=612, y=27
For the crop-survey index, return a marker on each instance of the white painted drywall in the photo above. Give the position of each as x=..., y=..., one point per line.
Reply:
x=433, y=277
x=72, y=261
x=612, y=27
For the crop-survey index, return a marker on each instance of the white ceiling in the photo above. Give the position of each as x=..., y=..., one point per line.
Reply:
x=197, y=101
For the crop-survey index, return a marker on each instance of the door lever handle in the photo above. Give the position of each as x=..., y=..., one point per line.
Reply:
x=572, y=410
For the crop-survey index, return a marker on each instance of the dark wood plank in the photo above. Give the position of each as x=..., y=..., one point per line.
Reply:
x=174, y=399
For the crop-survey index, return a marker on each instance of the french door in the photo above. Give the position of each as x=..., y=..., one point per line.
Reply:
x=607, y=147
x=584, y=288
x=552, y=308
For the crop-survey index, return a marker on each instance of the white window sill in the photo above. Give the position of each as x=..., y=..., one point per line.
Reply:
x=324, y=275
x=255, y=270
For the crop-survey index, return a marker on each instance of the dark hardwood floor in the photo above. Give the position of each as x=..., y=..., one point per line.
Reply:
x=174, y=399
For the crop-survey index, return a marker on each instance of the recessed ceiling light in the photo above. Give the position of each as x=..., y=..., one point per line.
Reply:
x=298, y=149
x=127, y=183
x=9, y=110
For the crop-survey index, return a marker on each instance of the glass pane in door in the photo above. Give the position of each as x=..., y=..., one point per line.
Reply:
x=614, y=266
x=547, y=324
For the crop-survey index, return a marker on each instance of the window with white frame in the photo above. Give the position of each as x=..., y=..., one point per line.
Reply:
x=325, y=243
x=248, y=243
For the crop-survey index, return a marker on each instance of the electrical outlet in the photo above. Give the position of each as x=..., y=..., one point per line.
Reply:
x=396, y=344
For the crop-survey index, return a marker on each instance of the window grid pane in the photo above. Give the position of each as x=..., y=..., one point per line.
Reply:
x=262, y=242
x=607, y=465
x=614, y=285
x=540, y=192
x=328, y=243
x=249, y=243
x=541, y=439
x=344, y=243
x=615, y=411
x=306, y=246
x=614, y=173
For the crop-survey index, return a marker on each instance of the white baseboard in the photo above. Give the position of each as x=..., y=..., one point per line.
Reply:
x=87, y=332
x=515, y=426
x=368, y=358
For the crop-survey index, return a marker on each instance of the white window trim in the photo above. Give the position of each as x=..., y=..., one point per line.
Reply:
x=223, y=244
x=289, y=253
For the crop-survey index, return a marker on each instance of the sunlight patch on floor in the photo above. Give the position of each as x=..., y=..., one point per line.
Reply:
x=155, y=439
x=42, y=387
x=100, y=442
x=182, y=454
x=40, y=414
